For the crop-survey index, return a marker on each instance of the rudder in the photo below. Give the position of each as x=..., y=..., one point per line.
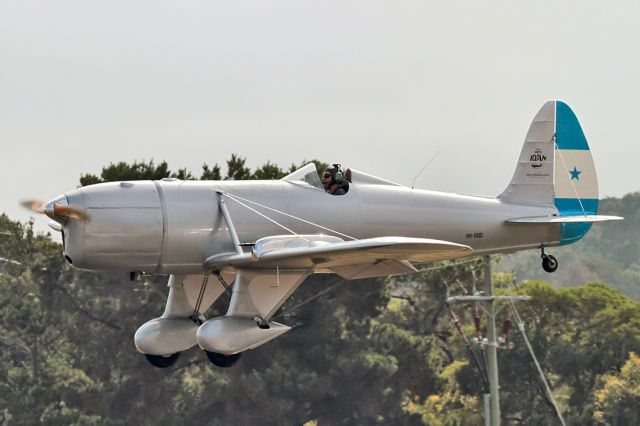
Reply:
x=576, y=182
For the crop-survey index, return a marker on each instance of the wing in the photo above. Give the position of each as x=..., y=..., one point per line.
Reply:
x=351, y=259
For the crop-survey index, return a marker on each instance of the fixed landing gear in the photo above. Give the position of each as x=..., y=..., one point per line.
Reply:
x=161, y=361
x=166, y=361
x=549, y=262
x=222, y=360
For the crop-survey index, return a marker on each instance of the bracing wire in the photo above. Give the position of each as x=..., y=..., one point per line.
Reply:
x=266, y=217
x=413, y=183
x=339, y=281
x=236, y=198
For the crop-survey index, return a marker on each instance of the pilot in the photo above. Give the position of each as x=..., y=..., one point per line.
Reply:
x=334, y=181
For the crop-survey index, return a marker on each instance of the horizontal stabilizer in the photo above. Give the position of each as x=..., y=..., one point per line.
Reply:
x=565, y=219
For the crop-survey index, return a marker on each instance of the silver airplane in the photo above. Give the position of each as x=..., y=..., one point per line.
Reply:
x=259, y=240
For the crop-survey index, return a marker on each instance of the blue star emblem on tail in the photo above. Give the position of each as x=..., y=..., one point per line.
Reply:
x=575, y=173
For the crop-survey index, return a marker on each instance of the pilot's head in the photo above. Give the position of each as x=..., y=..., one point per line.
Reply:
x=332, y=175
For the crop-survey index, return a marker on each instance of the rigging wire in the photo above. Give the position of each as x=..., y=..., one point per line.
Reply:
x=233, y=196
x=413, y=183
x=294, y=308
x=266, y=217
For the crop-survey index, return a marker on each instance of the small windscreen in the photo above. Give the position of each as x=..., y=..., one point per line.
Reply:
x=307, y=174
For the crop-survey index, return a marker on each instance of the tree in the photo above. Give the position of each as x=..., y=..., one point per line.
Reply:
x=210, y=173
x=236, y=169
x=124, y=171
x=268, y=171
x=452, y=407
x=617, y=395
x=183, y=174
x=577, y=334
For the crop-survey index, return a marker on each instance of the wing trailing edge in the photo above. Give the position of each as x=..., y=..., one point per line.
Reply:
x=564, y=219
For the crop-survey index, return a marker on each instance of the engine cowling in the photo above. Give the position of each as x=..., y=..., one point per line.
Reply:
x=125, y=231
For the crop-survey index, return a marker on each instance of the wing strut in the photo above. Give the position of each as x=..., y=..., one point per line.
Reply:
x=232, y=229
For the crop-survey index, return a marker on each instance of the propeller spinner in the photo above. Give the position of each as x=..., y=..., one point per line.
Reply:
x=57, y=209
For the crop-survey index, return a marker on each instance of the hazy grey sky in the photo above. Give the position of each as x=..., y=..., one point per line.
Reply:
x=379, y=86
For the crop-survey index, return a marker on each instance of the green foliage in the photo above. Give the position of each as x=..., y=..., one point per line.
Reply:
x=268, y=171
x=236, y=169
x=617, y=395
x=451, y=407
x=212, y=173
x=183, y=174
x=124, y=171
x=577, y=334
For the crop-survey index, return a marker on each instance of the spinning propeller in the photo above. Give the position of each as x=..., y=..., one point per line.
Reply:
x=56, y=209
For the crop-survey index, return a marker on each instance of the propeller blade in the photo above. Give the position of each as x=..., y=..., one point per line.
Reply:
x=68, y=211
x=53, y=209
x=36, y=206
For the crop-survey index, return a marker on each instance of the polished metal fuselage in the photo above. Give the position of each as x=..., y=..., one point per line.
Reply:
x=172, y=226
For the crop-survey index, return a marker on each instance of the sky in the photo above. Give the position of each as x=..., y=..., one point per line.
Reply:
x=379, y=86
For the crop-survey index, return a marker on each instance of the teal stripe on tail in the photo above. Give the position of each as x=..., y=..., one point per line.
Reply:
x=576, y=183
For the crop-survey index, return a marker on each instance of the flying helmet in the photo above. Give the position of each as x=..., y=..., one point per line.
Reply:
x=335, y=170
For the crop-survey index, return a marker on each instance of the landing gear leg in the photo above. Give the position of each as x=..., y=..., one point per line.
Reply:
x=549, y=262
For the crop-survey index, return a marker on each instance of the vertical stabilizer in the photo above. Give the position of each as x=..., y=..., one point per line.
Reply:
x=532, y=182
x=556, y=169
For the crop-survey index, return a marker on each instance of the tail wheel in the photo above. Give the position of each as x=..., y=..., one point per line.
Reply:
x=222, y=360
x=549, y=263
x=162, y=361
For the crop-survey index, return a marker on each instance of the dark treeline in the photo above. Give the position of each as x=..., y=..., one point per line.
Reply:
x=366, y=352
x=236, y=170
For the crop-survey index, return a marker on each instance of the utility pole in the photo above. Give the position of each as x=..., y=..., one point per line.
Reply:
x=487, y=298
x=492, y=344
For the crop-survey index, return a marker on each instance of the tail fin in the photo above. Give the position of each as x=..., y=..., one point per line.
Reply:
x=555, y=166
x=556, y=169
